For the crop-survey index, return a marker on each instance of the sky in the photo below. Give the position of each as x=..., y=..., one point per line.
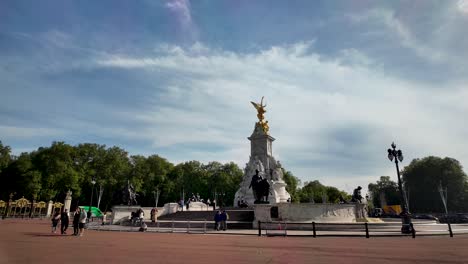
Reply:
x=342, y=80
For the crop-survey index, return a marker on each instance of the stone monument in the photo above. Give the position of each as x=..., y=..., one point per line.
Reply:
x=262, y=160
x=67, y=202
x=126, y=198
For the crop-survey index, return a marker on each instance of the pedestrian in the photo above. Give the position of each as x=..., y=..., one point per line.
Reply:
x=55, y=220
x=141, y=216
x=154, y=213
x=64, y=222
x=76, y=221
x=224, y=218
x=104, y=218
x=217, y=219
x=82, y=222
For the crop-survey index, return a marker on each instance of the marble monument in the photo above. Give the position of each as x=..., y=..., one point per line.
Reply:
x=261, y=159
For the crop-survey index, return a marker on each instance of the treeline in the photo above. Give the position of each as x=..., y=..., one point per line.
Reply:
x=422, y=180
x=49, y=172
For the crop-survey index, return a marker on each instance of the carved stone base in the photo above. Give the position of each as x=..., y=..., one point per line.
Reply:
x=121, y=213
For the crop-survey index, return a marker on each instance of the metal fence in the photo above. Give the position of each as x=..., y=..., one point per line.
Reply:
x=315, y=229
x=161, y=226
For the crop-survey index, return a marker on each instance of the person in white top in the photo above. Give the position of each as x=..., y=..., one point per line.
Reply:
x=82, y=221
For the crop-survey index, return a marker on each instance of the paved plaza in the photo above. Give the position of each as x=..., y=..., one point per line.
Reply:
x=30, y=241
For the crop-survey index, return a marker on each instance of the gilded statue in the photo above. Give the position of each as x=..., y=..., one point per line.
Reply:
x=260, y=114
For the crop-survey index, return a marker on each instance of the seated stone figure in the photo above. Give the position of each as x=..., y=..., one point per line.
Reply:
x=357, y=198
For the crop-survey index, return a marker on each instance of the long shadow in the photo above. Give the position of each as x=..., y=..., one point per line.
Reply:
x=38, y=234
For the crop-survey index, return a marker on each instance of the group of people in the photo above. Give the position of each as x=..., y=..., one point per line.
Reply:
x=137, y=216
x=194, y=198
x=79, y=220
x=220, y=219
x=241, y=203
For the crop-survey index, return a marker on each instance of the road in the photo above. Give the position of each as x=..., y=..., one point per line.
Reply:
x=30, y=241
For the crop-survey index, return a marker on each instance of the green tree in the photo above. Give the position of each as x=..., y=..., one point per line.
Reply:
x=314, y=191
x=5, y=156
x=387, y=188
x=292, y=185
x=422, y=178
x=56, y=165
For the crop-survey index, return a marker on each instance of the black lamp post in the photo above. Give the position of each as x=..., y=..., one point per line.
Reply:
x=406, y=227
x=93, y=181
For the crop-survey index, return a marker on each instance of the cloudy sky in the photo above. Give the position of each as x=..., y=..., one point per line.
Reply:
x=341, y=80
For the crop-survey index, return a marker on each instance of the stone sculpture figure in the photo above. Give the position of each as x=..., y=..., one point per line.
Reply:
x=131, y=194
x=357, y=197
x=260, y=188
x=126, y=195
x=261, y=117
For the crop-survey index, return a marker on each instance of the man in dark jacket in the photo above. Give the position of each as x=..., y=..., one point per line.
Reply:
x=217, y=219
x=64, y=225
x=76, y=221
x=224, y=217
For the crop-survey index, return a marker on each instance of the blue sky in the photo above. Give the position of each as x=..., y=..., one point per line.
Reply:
x=341, y=79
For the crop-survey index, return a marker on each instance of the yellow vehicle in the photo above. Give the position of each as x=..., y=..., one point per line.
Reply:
x=394, y=210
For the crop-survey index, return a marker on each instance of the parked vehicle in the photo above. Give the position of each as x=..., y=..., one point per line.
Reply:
x=425, y=216
x=454, y=218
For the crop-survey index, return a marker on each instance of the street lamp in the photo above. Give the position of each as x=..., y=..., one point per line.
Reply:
x=93, y=181
x=406, y=227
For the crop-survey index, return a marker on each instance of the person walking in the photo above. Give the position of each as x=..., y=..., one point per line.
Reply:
x=76, y=221
x=82, y=221
x=55, y=220
x=217, y=219
x=224, y=218
x=154, y=213
x=64, y=222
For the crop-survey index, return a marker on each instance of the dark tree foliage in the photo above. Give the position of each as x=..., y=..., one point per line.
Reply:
x=314, y=191
x=384, y=188
x=49, y=172
x=292, y=185
x=422, y=178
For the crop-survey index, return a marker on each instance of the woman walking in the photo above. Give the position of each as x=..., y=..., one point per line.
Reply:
x=55, y=220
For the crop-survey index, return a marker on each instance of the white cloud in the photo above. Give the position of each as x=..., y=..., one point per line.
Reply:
x=309, y=96
x=16, y=132
x=463, y=6
x=182, y=13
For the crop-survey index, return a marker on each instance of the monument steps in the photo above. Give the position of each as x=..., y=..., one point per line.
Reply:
x=198, y=224
x=236, y=215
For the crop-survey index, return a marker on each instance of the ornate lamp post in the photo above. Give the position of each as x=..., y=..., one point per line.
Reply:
x=406, y=227
x=93, y=181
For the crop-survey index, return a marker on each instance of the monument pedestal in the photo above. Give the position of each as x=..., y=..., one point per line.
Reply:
x=309, y=212
x=261, y=159
x=122, y=213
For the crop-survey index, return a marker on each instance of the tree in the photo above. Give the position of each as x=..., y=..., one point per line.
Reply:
x=387, y=188
x=5, y=156
x=292, y=185
x=56, y=165
x=314, y=191
x=422, y=178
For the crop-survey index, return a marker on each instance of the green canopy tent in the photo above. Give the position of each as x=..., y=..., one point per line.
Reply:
x=95, y=212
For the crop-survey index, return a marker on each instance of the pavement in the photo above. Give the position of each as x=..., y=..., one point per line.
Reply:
x=31, y=241
x=423, y=228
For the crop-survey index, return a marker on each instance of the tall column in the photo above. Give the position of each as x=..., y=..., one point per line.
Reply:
x=67, y=203
x=49, y=208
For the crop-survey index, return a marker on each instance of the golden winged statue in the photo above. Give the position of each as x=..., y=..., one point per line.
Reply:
x=260, y=114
